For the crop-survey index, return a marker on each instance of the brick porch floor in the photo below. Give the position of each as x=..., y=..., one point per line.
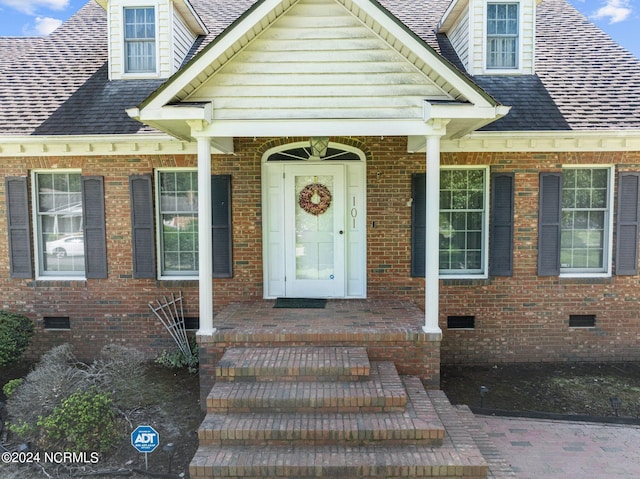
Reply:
x=339, y=317
x=391, y=330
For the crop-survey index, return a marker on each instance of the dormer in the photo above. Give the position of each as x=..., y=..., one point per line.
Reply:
x=492, y=37
x=150, y=38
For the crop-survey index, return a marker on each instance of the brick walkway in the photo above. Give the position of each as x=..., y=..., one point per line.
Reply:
x=565, y=450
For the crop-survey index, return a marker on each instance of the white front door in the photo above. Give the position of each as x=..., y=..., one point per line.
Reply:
x=314, y=230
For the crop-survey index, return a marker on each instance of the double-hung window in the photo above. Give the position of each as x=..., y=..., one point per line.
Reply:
x=586, y=215
x=58, y=223
x=502, y=35
x=140, y=40
x=178, y=222
x=575, y=224
x=463, y=231
x=463, y=213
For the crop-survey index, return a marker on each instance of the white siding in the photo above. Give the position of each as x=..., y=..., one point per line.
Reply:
x=163, y=17
x=318, y=61
x=476, y=60
x=183, y=39
x=459, y=37
x=116, y=41
x=477, y=26
x=164, y=36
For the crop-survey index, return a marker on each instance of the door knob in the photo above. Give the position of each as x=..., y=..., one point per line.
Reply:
x=341, y=232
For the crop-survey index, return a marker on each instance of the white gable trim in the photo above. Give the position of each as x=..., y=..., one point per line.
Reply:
x=220, y=50
x=265, y=13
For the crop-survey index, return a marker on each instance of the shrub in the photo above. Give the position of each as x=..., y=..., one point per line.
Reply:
x=177, y=360
x=10, y=387
x=35, y=407
x=16, y=331
x=85, y=421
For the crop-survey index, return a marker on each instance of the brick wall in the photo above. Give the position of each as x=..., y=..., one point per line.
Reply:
x=521, y=318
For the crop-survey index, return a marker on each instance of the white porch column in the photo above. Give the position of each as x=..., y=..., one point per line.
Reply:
x=205, y=264
x=432, y=230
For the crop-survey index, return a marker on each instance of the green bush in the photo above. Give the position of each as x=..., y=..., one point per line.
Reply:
x=10, y=387
x=177, y=360
x=84, y=422
x=16, y=331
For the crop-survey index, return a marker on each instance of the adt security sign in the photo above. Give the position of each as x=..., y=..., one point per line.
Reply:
x=145, y=439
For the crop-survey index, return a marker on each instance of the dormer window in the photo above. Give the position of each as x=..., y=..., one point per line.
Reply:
x=140, y=40
x=502, y=35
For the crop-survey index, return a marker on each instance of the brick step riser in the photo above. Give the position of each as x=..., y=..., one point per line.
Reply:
x=303, y=364
x=340, y=471
x=246, y=378
x=325, y=441
x=348, y=473
x=307, y=438
x=307, y=410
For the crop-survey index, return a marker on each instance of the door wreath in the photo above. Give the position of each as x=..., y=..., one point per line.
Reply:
x=315, y=199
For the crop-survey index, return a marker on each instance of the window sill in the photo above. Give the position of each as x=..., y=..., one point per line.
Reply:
x=53, y=279
x=466, y=281
x=586, y=279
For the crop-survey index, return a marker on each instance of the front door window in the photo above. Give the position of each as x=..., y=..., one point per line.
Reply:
x=315, y=233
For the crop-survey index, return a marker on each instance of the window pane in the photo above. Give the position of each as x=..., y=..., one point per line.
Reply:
x=60, y=233
x=139, y=36
x=502, y=35
x=178, y=205
x=462, y=221
x=584, y=219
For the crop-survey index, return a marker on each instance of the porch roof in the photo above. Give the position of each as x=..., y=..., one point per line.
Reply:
x=317, y=67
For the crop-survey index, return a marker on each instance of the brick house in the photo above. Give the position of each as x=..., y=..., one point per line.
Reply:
x=294, y=137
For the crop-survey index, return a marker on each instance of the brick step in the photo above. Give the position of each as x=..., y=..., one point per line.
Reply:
x=383, y=391
x=255, y=429
x=419, y=422
x=293, y=364
x=334, y=461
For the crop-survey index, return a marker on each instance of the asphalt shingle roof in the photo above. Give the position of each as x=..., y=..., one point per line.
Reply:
x=58, y=85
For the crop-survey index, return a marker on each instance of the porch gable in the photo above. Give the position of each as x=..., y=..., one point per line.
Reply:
x=315, y=67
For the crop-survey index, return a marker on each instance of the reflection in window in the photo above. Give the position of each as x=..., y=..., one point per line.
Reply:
x=585, y=213
x=140, y=40
x=462, y=219
x=502, y=35
x=60, y=236
x=178, y=217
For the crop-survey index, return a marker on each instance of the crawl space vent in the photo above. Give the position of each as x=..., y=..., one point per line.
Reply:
x=461, y=322
x=582, y=321
x=57, y=322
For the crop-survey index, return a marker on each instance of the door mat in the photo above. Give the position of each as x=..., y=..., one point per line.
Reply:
x=302, y=303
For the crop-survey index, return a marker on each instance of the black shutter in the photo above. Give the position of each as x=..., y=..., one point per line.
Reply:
x=95, y=243
x=221, y=226
x=142, y=238
x=501, y=230
x=627, y=223
x=418, y=223
x=19, y=230
x=549, y=224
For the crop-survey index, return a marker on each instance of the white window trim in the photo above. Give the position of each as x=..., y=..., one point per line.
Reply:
x=37, y=246
x=484, y=274
x=123, y=47
x=485, y=44
x=608, y=248
x=158, y=217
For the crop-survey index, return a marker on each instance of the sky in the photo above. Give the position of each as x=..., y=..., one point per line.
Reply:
x=619, y=18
